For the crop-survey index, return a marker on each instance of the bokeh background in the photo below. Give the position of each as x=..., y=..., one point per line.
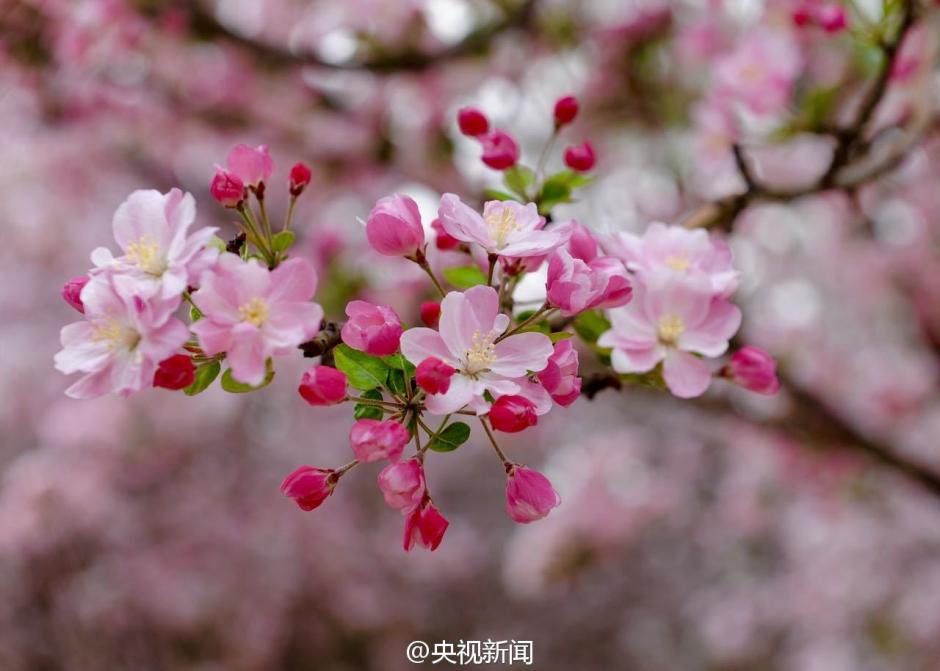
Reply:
x=799, y=532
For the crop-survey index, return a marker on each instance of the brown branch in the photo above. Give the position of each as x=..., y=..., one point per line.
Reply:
x=323, y=342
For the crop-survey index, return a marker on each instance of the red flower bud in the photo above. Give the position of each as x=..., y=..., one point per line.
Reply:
x=512, y=414
x=227, y=188
x=309, y=486
x=322, y=385
x=442, y=239
x=300, y=176
x=72, y=292
x=500, y=151
x=433, y=375
x=472, y=121
x=566, y=109
x=177, y=372
x=431, y=313
x=580, y=157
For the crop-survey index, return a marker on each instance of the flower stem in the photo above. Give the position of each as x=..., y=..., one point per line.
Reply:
x=499, y=452
x=489, y=273
x=425, y=266
x=288, y=220
x=543, y=311
x=342, y=469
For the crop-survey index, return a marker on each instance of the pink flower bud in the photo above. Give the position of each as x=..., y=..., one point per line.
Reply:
x=560, y=377
x=566, y=109
x=402, y=484
x=72, y=292
x=802, y=16
x=575, y=286
x=529, y=495
x=832, y=18
x=300, y=176
x=253, y=165
x=472, y=121
x=323, y=385
x=580, y=157
x=374, y=440
x=431, y=313
x=500, y=151
x=309, y=486
x=177, y=372
x=443, y=240
x=512, y=414
x=433, y=375
x=582, y=244
x=394, y=227
x=227, y=188
x=373, y=329
x=425, y=526
x=754, y=369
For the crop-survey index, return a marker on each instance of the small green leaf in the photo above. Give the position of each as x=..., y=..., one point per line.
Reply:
x=233, y=386
x=464, y=277
x=399, y=362
x=217, y=243
x=558, y=336
x=364, y=371
x=496, y=194
x=590, y=325
x=396, y=381
x=205, y=375
x=553, y=193
x=452, y=437
x=518, y=179
x=195, y=314
x=282, y=241
x=363, y=411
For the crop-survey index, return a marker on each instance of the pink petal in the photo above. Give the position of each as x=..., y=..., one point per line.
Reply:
x=293, y=280
x=686, y=375
x=422, y=343
x=520, y=353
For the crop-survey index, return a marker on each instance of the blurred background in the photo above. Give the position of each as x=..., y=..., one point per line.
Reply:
x=798, y=532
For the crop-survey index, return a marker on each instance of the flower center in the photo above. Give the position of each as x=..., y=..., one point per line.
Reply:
x=115, y=334
x=502, y=223
x=481, y=354
x=670, y=328
x=679, y=262
x=254, y=311
x=145, y=253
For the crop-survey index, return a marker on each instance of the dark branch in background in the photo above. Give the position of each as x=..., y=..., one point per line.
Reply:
x=323, y=342
x=204, y=25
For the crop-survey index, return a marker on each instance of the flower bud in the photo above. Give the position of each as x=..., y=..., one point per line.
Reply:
x=566, y=109
x=575, y=286
x=754, y=369
x=425, y=526
x=309, y=486
x=443, y=240
x=72, y=292
x=394, y=227
x=253, y=165
x=472, y=121
x=580, y=157
x=560, y=377
x=227, y=188
x=582, y=244
x=300, y=176
x=374, y=440
x=431, y=313
x=832, y=18
x=402, y=484
x=373, y=329
x=177, y=372
x=512, y=414
x=500, y=151
x=433, y=375
x=323, y=385
x=529, y=495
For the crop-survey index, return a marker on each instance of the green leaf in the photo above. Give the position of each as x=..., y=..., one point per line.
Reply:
x=282, y=241
x=363, y=411
x=560, y=335
x=364, y=371
x=217, y=243
x=590, y=325
x=396, y=381
x=233, y=386
x=399, y=362
x=496, y=194
x=452, y=437
x=205, y=375
x=195, y=314
x=518, y=179
x=553, y=193
x=464, y=277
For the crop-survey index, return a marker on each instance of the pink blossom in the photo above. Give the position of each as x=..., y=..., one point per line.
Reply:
x=754, y=369
x=529, y=495
x=227, y=188
x=472, y=121
x=72, y=292
x=309, y=486
x=252, y=165
x=669, y=321
x=402, y=484
x=676, y=251
x=251, y=313
x=575, y=286
x=374, y=440
x=394, y=228
x=580, y=157
x=505, y=228
x=560, y=377
x=425, y=526
x=500, y=150
x=151, y=229
x=566, y=109
x=323, y=385
x=512, y=414
x=123, y=338
x=470, y=326
x=761, y=71
x=300, y=176
x=176, y=372
x=582, y=244
x=433, y=375
x=374, y=329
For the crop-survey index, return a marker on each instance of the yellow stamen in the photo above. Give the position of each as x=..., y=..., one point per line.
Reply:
x=115, y=334
x=254, y=311
x=679, y=263
x=145, y=253
x=670, y=328
x=481, y=355
x=502, y=223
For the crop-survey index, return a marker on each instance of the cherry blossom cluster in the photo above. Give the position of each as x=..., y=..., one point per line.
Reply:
x=652, y=308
